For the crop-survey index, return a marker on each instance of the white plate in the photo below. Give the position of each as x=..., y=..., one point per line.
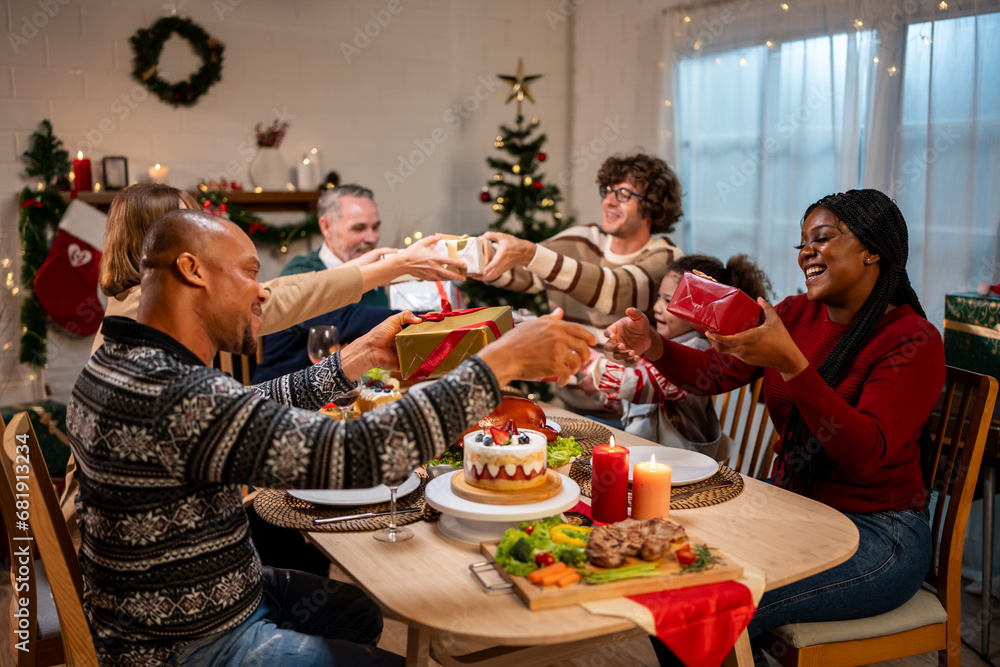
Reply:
x=439, y=495
x=375, y=494
x=686, y=467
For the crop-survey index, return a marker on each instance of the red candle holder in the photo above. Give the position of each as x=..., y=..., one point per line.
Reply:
x=609, y=483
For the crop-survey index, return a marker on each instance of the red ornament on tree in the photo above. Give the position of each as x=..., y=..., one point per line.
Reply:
x=484, y=197
x=541, y=157
x=537, y=185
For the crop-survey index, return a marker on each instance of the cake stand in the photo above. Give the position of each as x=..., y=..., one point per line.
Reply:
x=472, y=522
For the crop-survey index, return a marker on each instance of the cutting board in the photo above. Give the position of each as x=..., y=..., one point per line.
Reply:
x=671, y=577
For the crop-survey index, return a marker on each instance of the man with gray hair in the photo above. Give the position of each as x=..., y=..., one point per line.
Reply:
x=351, y=228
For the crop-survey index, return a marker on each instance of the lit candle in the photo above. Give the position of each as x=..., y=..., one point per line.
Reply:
x=609, y=483
x=158, y=174
x=651, y=490
x=81, y=172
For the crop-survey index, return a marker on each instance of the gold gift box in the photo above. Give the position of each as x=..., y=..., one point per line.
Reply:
x=419, y=342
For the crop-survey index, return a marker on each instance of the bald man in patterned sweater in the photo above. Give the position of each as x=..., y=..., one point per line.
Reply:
x=595, y=272
x=163, y=442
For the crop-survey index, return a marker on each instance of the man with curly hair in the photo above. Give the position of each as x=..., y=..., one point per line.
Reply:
x=594, y=272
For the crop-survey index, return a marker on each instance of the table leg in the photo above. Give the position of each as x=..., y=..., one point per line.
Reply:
x=418, y=647
x=742, y=654
x=989, y=491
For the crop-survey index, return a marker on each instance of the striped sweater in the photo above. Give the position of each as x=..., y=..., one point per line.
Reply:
x=591, y=284
x=164, y=442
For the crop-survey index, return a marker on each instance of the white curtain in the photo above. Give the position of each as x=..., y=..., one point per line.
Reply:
x=769, y=106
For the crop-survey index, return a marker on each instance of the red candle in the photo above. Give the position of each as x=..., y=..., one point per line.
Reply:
x=81, y=173
x=609, y=483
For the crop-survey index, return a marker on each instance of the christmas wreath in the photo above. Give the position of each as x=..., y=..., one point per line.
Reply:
x=147, y=44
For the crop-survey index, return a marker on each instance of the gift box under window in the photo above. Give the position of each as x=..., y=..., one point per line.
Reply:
x=444, y=340
x=972, y=332
x=708, y=305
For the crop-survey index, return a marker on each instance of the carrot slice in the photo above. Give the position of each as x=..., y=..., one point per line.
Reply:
x=552, y=578
x=568, y=578
x=536, y=575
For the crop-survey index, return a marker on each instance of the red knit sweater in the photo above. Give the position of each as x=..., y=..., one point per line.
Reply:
x=868, y=425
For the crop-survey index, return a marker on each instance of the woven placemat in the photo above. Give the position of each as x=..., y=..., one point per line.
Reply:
x=587, y=432
x=580, y=473
x=281, y=509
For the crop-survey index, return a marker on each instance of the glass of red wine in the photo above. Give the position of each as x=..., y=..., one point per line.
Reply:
x=323, y=342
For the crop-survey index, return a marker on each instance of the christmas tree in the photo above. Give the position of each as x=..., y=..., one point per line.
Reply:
x=47, y=158
x=527, y=206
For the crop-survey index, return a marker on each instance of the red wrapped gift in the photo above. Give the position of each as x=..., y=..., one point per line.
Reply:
x=708, y=305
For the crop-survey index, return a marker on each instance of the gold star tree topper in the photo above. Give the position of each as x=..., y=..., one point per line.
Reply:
x=519, y=85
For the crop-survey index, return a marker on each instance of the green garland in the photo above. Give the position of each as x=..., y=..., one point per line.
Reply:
x=40, y=212
x=257, y=229
x=147, y=45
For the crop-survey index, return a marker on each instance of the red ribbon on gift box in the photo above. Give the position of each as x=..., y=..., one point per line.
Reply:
x=451, y=341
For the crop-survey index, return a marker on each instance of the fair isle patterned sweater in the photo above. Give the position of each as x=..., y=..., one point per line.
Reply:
x=164, y=442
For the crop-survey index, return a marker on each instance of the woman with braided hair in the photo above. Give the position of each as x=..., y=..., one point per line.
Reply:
x=851, y=372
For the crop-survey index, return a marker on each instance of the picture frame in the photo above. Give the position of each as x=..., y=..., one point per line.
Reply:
x=115, y=172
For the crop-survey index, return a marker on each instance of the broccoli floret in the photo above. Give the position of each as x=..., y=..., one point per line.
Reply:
x=521, y=551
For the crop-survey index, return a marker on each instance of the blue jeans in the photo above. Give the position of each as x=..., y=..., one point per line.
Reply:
x=894, y=553
x=302, y=619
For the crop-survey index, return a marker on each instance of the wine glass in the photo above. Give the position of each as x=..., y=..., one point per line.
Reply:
x=323, y=342
x=346, y=400
x=393, y=533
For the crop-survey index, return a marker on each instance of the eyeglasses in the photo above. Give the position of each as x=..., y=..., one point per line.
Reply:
x=621, y=194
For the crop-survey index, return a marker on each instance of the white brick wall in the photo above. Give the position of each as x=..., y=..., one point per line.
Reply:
x=362, y=115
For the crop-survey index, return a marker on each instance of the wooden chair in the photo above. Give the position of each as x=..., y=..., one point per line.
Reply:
x=42, y=631
x=930, y=621
x=748, y=425
x=22, y=460
x=229, y=362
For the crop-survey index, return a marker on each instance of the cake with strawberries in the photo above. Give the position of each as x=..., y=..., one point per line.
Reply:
x=505, y=458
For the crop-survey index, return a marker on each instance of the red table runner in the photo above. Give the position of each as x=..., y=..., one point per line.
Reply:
x=700, y=624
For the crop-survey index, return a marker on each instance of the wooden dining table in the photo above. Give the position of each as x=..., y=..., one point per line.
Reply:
x=426, y=582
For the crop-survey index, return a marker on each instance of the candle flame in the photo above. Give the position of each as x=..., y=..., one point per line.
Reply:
x=79, y=155
x=612, y=442
x=157, y=167
x=652, y=461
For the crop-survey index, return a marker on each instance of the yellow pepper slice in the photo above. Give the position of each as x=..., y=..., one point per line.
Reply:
x=563, y=534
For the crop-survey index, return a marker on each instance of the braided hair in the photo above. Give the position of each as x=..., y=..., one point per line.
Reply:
x=875, y=220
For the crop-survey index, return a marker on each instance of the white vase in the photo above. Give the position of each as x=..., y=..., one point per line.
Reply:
x=269, y=170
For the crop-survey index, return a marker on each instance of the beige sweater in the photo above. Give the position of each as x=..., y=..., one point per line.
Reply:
x=291, y=299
